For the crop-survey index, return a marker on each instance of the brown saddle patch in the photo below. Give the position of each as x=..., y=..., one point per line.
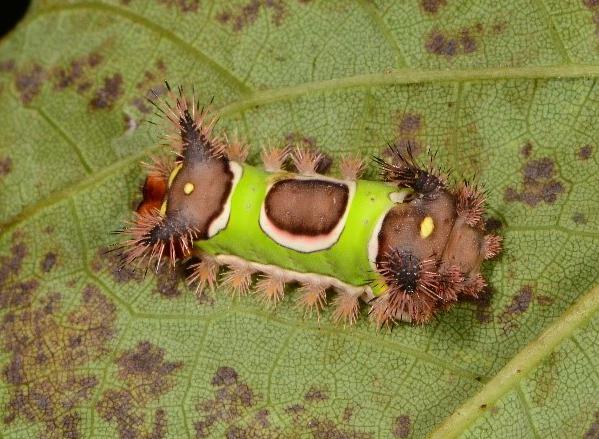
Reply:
x=306, y=207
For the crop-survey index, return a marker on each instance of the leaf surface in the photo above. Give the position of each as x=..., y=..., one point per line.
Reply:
x=506, y=93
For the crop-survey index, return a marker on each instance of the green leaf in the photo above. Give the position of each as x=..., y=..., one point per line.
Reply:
x=504, y=92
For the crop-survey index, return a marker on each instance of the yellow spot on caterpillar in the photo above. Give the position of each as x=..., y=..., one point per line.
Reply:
x=426, y=227
x=188, y=188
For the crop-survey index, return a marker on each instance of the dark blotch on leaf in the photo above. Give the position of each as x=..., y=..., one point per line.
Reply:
x=519, y=305
x=5, y=166
x=29, y=82
x=585, y=152
x=232, y=399
x=7, y=65
x=409, y=123
x=526, y=150
x=327, y=429
x=76, y=74
x=593, y=431
x=243, y=16
x=402, y=427
x=579, y=218
x=593, y=6
x=521, y=301
x=432, y=6
x=316, y=394
x=409, y=127
x=224, y=376
x=231, y=408
x=14, y=293
x=183, y=5
x=49, y=354
x=49, y=262
x=483, y=305
x=450, y=44
x=539, y=184
x=112, y=261
x=105, y=97
x=493, y=224
x=168, y=282
x=146, y=376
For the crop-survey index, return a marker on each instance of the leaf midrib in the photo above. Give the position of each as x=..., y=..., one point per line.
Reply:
x=520, y=366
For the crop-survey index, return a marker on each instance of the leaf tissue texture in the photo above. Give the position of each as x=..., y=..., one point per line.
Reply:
x=505, y=92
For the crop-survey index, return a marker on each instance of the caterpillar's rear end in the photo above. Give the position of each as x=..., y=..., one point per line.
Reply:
x=419, y=243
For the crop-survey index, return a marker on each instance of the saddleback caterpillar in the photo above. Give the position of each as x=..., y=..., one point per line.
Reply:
x=409, y=245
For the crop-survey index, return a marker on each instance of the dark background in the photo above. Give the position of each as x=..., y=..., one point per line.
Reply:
x=10, y=14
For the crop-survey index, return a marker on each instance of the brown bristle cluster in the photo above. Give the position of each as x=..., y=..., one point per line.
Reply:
x=351, y=167
x=413, y=288
x=470, y=203
x=492, y=246
x=405, y=171
x=188, y=123
x=309, y=161
x=271, y=288
x=204, y=275
x=274, y=158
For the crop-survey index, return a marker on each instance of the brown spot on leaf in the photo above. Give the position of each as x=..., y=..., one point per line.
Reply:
x=5, y=166
x=15, y=293
x=348, y=412
x=585, y=152
x=579, y=218
x=409, y=127
x=240, y=17
x=544, y=300
x=450, y=44
x=76, y=74
x=402, y=427
x=49, y=262
x=146, y=376
x=107, y=95
x=493, y=224
x=297, y=139
x=409, y=124
x=593, y=431
x=224, y=376
x=327, y=429
x=526, y=150
x=232, y=399
x=110, y=260
x=29, y=82
x=432, y=6
x=545, y=380
x=519, y=305
x=232, y=404
x=7, y=65
x=520, y=301
x=48, y=356
x=316, y=394
x=539, y=184
x=483, y=305
x=168, y=282
x=593, y=6
x=184, y=6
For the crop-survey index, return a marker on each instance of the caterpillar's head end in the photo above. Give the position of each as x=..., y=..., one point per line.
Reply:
x=431, y=247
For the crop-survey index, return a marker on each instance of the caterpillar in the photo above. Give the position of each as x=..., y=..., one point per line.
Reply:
x=409, y=245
